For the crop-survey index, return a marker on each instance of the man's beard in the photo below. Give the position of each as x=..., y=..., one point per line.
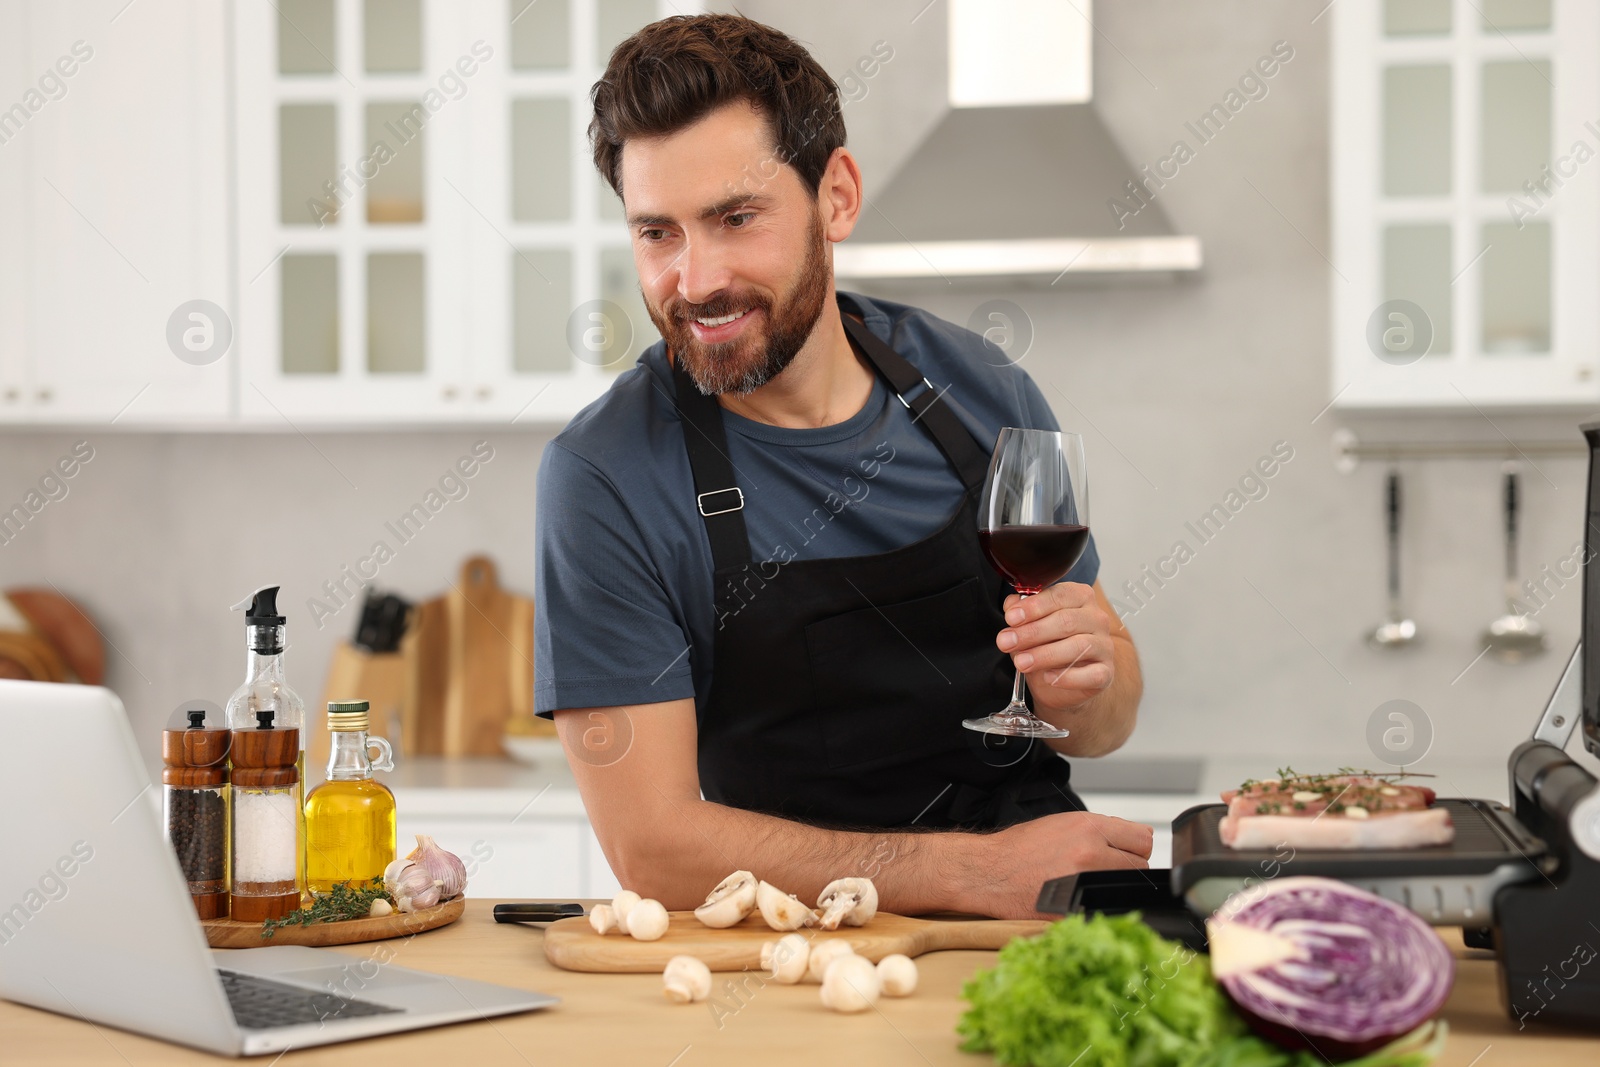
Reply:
x=753, y=359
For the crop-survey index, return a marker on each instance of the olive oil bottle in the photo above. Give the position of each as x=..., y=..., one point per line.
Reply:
x=350, y=819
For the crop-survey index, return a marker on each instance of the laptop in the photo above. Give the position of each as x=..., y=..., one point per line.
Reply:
x=96, y=923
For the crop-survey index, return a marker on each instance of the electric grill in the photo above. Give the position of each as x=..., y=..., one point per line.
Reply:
x=1523, y=881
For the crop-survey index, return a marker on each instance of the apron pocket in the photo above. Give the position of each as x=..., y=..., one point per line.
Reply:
x=892, y=682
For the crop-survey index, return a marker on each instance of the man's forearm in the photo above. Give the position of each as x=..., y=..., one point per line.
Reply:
x=1102, y=724
x=914, y=872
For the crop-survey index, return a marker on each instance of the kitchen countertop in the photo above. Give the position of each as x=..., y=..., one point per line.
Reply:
x=623, y=1018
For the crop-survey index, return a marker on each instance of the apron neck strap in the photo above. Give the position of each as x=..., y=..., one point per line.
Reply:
x=718, y=497
x=926, y=405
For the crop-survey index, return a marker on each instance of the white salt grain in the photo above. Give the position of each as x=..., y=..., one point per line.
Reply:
x=264, y=842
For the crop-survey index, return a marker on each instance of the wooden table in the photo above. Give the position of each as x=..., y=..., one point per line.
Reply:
x=624, y=1019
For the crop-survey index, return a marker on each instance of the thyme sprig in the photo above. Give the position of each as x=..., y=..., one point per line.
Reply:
x=344, y=901
x=1288, y=776
x=1344, y=795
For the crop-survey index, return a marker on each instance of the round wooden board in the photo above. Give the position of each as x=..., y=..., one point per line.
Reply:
x=226, y=933
x=572, y=944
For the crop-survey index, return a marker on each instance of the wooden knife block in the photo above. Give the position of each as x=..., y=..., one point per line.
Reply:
x=379, y=678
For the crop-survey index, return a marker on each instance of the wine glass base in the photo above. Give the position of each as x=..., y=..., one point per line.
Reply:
x=1015, y=726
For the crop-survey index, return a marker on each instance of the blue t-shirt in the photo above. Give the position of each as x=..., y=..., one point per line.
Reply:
x=623, y=570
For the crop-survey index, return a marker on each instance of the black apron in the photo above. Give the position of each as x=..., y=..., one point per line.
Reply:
x=839, y=685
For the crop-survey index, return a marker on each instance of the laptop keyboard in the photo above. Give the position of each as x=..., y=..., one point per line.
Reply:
x=262, y=1004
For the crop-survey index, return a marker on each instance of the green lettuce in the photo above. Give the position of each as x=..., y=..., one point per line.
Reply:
x=1108, y=991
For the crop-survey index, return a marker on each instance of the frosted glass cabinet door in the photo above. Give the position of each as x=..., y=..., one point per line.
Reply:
x=1416, y=131
x=1416, y=267
x=1402, y=18
x=125, y=215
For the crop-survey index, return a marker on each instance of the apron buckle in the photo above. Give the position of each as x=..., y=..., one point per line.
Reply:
x=928, y=388
x=707, y=510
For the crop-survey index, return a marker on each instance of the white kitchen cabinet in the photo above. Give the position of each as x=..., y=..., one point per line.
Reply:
x=419, y=219
x=114, y=175
x=178, y=162
x=1466, y=214
x=16, y=156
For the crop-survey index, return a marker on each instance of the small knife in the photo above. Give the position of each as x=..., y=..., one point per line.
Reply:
x=535, y=913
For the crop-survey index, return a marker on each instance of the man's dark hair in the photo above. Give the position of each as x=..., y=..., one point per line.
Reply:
x=674, y=72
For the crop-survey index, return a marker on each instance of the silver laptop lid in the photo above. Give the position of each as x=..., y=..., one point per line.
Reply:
x=95, y=919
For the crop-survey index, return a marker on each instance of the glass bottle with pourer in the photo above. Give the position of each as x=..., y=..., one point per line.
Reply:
x=266, y=690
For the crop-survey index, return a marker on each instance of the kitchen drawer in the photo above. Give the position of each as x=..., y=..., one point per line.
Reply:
x=527, y=858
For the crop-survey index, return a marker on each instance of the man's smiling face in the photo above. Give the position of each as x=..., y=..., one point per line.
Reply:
x=730, y=248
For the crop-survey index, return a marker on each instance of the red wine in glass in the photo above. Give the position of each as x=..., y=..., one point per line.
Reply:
x=1032, y=557
x=1034, y=527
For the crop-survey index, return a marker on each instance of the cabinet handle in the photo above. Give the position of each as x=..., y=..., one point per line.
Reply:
x=448, y=392
x=44, y=396
x=485, y=392
x=12, y=394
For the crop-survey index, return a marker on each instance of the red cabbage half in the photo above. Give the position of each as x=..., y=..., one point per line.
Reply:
x=1315, y=963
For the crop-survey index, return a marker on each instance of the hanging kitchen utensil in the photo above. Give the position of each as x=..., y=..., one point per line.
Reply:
x=1515, y=635
x=1396, y=631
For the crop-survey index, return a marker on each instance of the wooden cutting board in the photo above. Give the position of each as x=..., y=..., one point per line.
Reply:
x=228, y=933
x=572, y=944
x=471, y=668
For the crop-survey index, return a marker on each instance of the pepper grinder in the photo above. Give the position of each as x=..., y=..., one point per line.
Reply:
x=194, y=805
x=266, y=820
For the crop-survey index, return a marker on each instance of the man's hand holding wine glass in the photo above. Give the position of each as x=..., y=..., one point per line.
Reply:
x=1060, y=639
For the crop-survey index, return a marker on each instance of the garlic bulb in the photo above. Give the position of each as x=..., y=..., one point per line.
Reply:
x=686, y=979
x=785, y=959
x=898, y=973
x=444, y=867
x=824, y=953
x=412, y=887
x=647, y=920
x=850, y=984
x=391, y=872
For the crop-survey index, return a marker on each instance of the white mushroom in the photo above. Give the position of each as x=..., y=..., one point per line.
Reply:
x=647, y=920
x=853, y=901
x=850, y=984
x=729, y=903
x=782, y=911
x=603, y=918
x=824, y=953
x=686, y=979
x=898, y=975
x=786, y=959
x=621, y=904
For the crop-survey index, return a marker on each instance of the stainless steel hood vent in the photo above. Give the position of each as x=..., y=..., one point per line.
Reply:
x=1018, y=180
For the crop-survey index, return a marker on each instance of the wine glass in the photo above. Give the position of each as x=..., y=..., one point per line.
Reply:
x=1033, y=526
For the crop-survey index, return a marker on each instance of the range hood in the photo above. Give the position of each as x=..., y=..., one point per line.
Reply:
x=1021, y=180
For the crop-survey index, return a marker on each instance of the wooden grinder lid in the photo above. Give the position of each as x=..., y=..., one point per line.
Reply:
x=264, y=758
x=196, y=757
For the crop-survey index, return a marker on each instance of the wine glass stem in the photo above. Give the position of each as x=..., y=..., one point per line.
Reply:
x=1019, y=689
x=1018, y=705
